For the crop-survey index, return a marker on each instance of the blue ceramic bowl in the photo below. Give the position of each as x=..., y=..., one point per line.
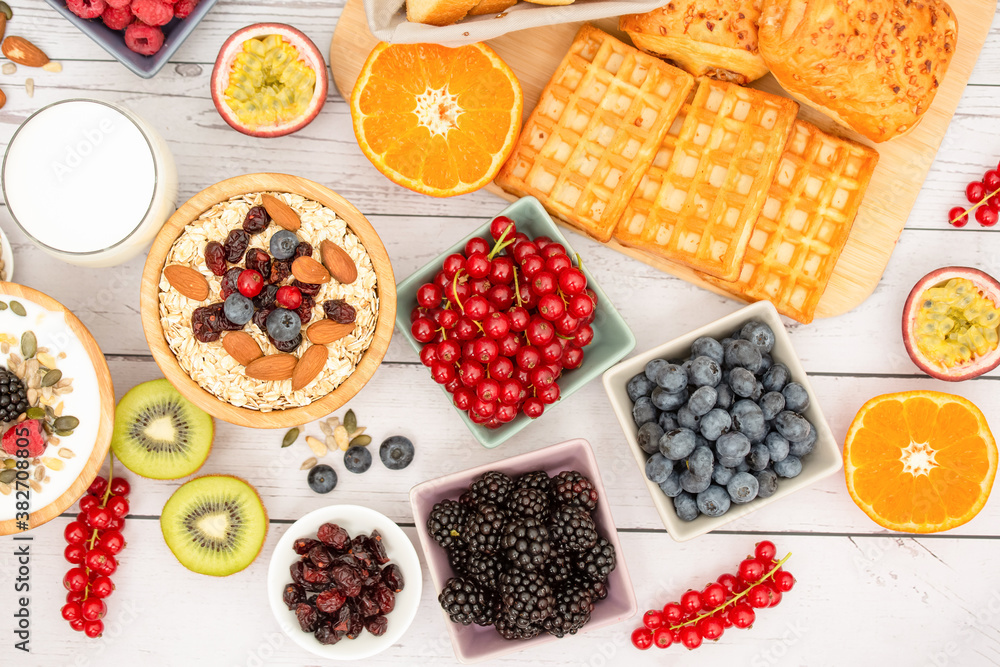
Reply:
x=612, y=338
x=113, y=41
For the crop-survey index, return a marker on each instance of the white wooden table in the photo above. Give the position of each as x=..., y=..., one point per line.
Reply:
x=864, y=596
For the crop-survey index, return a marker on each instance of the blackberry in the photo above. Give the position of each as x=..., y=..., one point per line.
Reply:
x=529, y=502
x=538, y=480
x=508, y=628
x=571, y=488
x=559, y=568
x=466, y=603
x=493, y=487
x=527, y=596
x=598, y=590
x=484, y=569
x=459, y=556
x=483, y=529
x=572, y=611
x=13, y=397
x=573, y=528
x=598, y=561
x=446, y=521
x=526, y=543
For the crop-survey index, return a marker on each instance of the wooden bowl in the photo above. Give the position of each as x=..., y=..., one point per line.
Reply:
x=150, y=307
x=106, y=422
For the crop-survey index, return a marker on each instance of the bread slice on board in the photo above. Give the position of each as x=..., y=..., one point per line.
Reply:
x=438, y=12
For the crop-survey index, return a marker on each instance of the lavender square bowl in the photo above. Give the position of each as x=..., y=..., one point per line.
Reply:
x=474, y=643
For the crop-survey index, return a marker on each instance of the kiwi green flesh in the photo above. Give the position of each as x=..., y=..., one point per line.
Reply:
x=214, y=525
x=160, y=434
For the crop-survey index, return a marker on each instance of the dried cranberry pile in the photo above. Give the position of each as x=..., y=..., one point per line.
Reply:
x=140, y=19
x=342, y=586
x=500, y=324
x=259, y=284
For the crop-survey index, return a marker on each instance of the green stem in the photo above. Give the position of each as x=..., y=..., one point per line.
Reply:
x=517, y=289
x=968, y=213
x=500, y=245
x=454, y=289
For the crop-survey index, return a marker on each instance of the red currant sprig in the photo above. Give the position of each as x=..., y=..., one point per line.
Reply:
x=984, y=196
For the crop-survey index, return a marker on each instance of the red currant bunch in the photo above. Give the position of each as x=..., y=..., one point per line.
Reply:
x=984, y=196
x=729, y=601
x=501, y=321
x=94, y=539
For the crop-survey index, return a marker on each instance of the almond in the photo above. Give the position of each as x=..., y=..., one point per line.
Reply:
x=23, y=52
x=187, y=281
x=3, y=99
x=271, y=368
x=3, y=25
x=322, y=332
x=241, y=346
x=282, y=214
x=310, y=364
x=339, y=263
x=308, y=270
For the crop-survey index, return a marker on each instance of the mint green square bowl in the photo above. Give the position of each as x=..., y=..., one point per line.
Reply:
x=612, y=337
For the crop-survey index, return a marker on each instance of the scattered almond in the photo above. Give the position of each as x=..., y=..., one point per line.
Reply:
x=325, y=331
x=308, y=464
x=338, y=262
x=308, y=270
x=317, y=446
x=241, y=346
x=3, y=25
x=282, y=214
x=52, y=66
x=340, y=435
x=272, y=368
x=23, y=52
x=309, y=365
x=187, y=281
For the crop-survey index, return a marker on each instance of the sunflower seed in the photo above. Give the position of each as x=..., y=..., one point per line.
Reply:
x=5, y=489
x=52, y=66
x=29, y=87
x=51, y=377
x=290, y=437
x=350, y=422
x=29, y=344
x=35, y=486
x=53, y=463
x=53, y=440
x=66, y=453
x=340, y=435
x=9, y=68
x=361, y=441
x=18, y=308
x=326, y=428
x=317, y=446
x=358, y=431
x=67, y=423
x=39, y=473
x=32, y=396
x=308, y=463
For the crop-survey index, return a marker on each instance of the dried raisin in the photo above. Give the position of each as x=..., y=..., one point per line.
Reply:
x=280, y=270
x=377, y=625
x=339, y=311
x=308, y=289
x=308, y=617
x=259, y=261
x=293, y=595
x=305, y=309
x=203, y=332
x=286, y=345
x=215, y=257
x=303, y=249
x=320, y=557
x=235, y=245
x=334, y=536
x=266, y=297
x=260, y=317
x=393, y=577
x=302, y=545
x=330, y=601
x=256, y=221
x=325, y=634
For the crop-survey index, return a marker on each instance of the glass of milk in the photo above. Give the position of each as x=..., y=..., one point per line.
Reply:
x=89, y=182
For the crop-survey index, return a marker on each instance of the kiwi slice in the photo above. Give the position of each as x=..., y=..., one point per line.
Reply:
x=214, y=524
x=160, y=434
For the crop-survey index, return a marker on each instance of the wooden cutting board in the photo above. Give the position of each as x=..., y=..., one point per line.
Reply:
x=903, y=165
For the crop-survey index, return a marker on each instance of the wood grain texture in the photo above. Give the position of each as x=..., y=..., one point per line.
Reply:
x=189, y=212
x=903, y=164
x=106, y=417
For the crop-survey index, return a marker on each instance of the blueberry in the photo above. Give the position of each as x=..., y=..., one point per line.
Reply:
x=688, y=419
x=670, y=377
x=644, y=411
x=649, y=437
x=771, y=404
x=776, y=377
x=715, y=423
x=792, y=426
x=742, y=382
x=700, y=462
x=759, y=334
x=748, y=419
x=283, y=325
x=705, y=372
x=766, y=361
x=759, y=457
x=322, y=478
x=796, y=397
x=639, y=386
x=758, y=391
x=672, y=486
x=732, y=445
x=806, y=446
x=238, y=309
x=721, y=474
x=686, y=507
x=658, y=468
x=743, y=354
x=790, y=466
x=730, y=461
x=283, y=244
x=678, y=444
x=713, y=501
x=357, y=459
x=743, y=466
x=725, y=397
x=702, y=400
x=777, y=446
x=686, y=367
x=743, y=488
x=767, y=483
x=666, y=421
x=693, y=483
x=665, y=400
x=396, y=452
x=706, y=346
x=652, y=368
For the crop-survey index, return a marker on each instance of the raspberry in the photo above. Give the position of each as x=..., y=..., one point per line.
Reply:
x=152, y=12
x=117, y=18
x=117, y=4
x=183, y=8
x=143, y=39
x=87, y=9
x=26, y=435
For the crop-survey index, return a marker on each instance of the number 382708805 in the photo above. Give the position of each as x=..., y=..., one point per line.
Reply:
x=23, y=494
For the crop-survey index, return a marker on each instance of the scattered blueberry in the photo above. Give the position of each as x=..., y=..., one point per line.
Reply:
x=771, y=404
x=759, y=457
x=283, y=244
x=714, y=501
x=649, y=437
x=357, y=459
x=693, y=483
x=721, y=474
x=686, y=506
x=776, y=377
x=639, y=386
x=396, y=452
x=671, y=487
x=743, y=488
x=658, y=468
x=702, y=400
x=643, y=411
x=678, y=444
x=777, y=446
x=706, y=346
x=732, y=445
x=759, y=334
x=790, y=466
x=238, y=309
x=742, y=382
x=792, y=426
x=796, y=397
x=767, y=483
x=705, y=372
x=743, y=354
x=715, y=423
x=283, y=325
x=665, y=400
x=322, y=478
x=687, y=419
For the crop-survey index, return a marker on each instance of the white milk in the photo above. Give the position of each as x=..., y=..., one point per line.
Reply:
x=89, y=182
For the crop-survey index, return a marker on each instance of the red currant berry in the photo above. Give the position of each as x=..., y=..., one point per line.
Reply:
x=447, y=319
x=532, y=265
x=986, y=216
x=75, y=532
x=120, y=487
x=511, y=392
x=463, y=398
x=485, y=350
x=470, y=372
x=250, y=283
x=452, y=265
x=428, y=354
x=441, y=280
x=672, y=613
x=501, y=296
x=642, y=638
x=775, y=594
x=74, y=596
x=572, y=357
x=87, y=502
x=584, y=336
x=528, y=357
x=542, y=241
x=552, y=249
x=540, y=332
x=552, y=352
x=71, y=611
x=98, y=486
x=543, y=283
x=102, y=587
x=572, y=281
x=958, y=217
x=652, y=619
x=690, y=637
x=497, y=325
x=429, y=295
x=501, y=224
x=542, y=377
x=75, y=553
x=519, y=318
x=477, y=265
x=765, y=550
x=423, y=330
x=417, y=313
x=533, y=408
x=580, y=306
x=710, y=628
x=93, y=629
x=465, y=329
x=751, y=570
x=551, y=307
x=118, y=506
x=713, y=596
x=558, y=264
x=783, y=581
x=663, y=637
x=742, y=615
x=442, y=373
x=528, y=298
x=501, y=368
x=691, y=602
x=975, y=191
x=728, y=581
x=992, y=179
x=473, y=246
x=488, y=389
x=509, y=345
x=523, y=250
x=477, y=308
x=75, y=579
x=759, y=596
x=77, y=624
x=101, y=562
x=111, y=541
x=93, y=609
x=485, y=409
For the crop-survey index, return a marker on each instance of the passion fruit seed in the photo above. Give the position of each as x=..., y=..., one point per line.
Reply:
x=956, y=323
x=268, y=83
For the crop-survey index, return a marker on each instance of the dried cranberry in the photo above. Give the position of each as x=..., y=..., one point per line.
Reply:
x=259, y=261
x=393, y=577
x=260, y=317
x=217, y=319
x=377, y=548
x=341, y=619
x=339, y=311
x=287, y=345
x=315, y=575
x=307, y=289
x=256, y=221
x=361, y=551
x=330, y=600
x=367, y=606
x=348, y=560
x=302, y=545
x=334, y=536
x=293, y=595
x=235, y=245
x=325, y=634
x=320, y=557
x=346, y=580
x=303, y=249
x=308, y=617
x=230, y=282
x=305, y=310
x=355, y=626
x=377, y=625
x=296, y=571
x=386, y=599
x=215, y=257
x=203, y=331
x=266, y=296
x=280, y=270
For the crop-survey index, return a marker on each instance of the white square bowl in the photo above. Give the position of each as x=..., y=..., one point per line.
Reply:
x=823, y=461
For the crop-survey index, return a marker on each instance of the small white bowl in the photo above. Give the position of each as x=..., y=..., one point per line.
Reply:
x=823, y=461
x=355, y=520
x=7, y=255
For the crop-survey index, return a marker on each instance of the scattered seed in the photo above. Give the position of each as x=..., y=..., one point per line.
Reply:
x=330, y=442
x=308, y=464
x=8, y=476
x=62, y=355
x=45, y=358
x=35, y=486
x=5, y=489
x=67, y=423
x=290, y=437
x=51, y=377
x=46, y=480
x=64, y=432
x=29, y=344
x=7, y=12
x=29, y=87
x=3, y=305
x=66, y=453
x=5, y=347
x=9, y=464
x=16, y=305
x=54, y=440
x=53, y=463
x=317, y=446
x=52, y=66
x=9, y=68
x=358, y=431
x=32, y=396
x=326, y=428
x=350, y=422
x=333, y=422
x=39, y=473
x=340, y=435
x=49, y=412
x=361, y=441
x=36, y=413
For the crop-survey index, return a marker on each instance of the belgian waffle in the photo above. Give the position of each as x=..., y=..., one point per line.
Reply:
x=595, y=130
x=722, y=157
x=805, y=221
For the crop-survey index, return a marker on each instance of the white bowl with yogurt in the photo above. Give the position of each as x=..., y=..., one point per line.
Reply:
x=89, y=182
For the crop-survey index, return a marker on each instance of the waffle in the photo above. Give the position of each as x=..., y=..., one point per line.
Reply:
x=722, y=157
x=595, y=130
x=805, y=221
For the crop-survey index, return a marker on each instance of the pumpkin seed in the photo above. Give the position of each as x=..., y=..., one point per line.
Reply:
x=8, y=476
x=67, y=423
x=64, y=432
x=3, y=305
x=49, y=412
x=350, y=421
x=35, y=413
x=51, y=377
x=29, y=344
x=317, y=446
x=18, y=308
x=7, y=12
x=361, y=441
x=290, y=437
x=308, y=464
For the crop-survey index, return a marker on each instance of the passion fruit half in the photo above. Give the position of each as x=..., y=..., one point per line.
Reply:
x=269, y=80
x=951, y=321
